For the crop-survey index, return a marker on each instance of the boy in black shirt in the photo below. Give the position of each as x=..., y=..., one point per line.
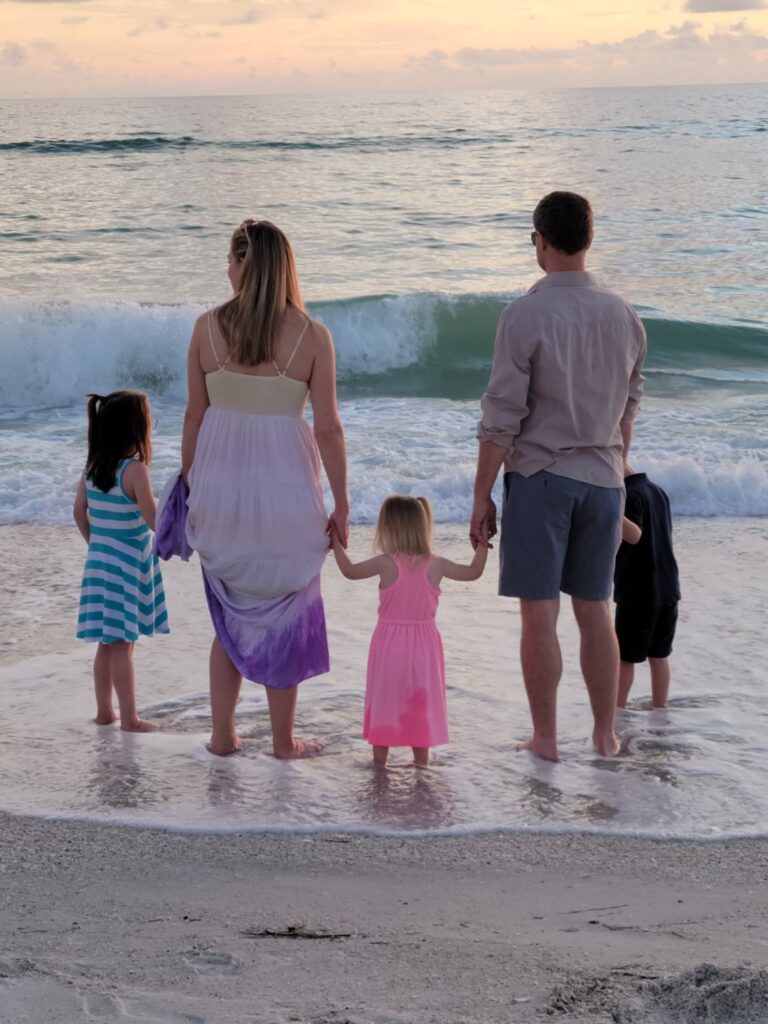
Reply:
x=646, y=587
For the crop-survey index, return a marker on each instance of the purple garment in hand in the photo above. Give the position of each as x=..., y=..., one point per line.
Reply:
x=171, y=523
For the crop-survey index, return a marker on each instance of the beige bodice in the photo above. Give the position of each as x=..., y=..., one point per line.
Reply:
x=278, y=395
x=243, y=392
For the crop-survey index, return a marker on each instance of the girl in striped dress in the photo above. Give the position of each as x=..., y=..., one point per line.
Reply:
x=122, y=592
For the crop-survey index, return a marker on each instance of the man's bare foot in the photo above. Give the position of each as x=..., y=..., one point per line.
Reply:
x=106, y=719
x=606, y=743
x=139, y=725
x=299, y=749
x=545, y=749
x=225, y=749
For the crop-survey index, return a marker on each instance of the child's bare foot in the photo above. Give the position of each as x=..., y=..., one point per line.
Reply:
x=225, y=749
x=105, y=718
x=606, y=742
x=421, y=757
x=299, y=749
x=545, y=749
x=139, y=725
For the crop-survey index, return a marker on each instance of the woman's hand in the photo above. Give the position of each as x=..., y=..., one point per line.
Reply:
x=338, y=524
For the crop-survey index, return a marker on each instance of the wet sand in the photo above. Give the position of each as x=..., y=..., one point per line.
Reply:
x=107, y=923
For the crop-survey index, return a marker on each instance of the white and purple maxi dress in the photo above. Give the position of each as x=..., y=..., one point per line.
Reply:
x=257, y=521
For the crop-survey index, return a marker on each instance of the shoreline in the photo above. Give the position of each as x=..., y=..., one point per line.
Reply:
x=109, y=923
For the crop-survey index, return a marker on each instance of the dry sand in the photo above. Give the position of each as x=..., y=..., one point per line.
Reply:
x=114, y=924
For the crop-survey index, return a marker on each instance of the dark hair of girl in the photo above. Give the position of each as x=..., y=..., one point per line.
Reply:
x=118, y=427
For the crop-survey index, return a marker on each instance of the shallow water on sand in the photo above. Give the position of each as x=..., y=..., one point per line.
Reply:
x=696, y=769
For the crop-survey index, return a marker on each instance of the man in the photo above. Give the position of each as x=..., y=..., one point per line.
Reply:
x=563, y=392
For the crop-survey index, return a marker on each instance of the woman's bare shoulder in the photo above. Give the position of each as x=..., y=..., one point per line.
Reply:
x=318, y=334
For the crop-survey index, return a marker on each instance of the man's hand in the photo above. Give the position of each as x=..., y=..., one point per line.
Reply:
x=483, y=524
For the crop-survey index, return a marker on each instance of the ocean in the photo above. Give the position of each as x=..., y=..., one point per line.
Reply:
x=410, y=218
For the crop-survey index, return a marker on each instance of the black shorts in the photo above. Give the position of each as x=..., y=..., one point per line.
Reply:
x=645, y=632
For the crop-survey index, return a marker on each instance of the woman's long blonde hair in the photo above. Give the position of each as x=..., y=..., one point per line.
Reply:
x=250, y=321
x=404, y=526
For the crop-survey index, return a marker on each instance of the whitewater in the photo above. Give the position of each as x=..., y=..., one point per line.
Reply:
x=396, y=355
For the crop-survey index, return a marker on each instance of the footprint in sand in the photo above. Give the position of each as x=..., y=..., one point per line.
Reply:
x=213, y=963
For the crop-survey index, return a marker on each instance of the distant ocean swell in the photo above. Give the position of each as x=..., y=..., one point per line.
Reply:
x=421, y=345
x=156, y=142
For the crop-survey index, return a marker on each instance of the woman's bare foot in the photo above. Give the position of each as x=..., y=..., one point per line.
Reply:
x=139, y=725
x=545, y=749
x=606, y=743
x=299, y=749
x=105, y=718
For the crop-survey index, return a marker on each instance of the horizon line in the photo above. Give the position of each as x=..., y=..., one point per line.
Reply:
x=386, y=92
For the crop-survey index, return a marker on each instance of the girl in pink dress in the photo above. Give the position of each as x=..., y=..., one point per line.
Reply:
x=405, y=686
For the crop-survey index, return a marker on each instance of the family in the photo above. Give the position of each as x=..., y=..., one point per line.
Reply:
x=564, y=389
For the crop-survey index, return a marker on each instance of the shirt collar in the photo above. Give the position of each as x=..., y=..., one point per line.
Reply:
x=566, y=279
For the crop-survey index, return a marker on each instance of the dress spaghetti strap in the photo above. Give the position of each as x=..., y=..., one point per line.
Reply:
x=221, y=366
x=284, y=371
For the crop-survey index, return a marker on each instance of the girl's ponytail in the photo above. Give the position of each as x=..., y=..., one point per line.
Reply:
x=118, y=428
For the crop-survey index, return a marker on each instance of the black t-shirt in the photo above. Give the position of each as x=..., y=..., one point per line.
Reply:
x=646, y=572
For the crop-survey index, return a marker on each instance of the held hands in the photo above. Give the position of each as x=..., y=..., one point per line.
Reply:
x=483, y=524
x=338, y=526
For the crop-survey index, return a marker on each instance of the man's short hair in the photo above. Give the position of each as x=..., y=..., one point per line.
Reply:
x=564, y=219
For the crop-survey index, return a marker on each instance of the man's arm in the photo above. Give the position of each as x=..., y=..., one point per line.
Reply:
x=483, y=524
x=504, y=406
x=636, y=382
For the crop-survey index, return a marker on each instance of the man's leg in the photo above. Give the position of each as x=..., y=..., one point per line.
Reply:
x=600, y=668
x=542, y=668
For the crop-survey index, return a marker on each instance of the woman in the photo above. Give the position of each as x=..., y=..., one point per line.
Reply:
x=256, y=515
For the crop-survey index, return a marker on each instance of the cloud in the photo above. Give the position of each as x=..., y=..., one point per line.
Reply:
x=713, y=6
x=45, y=1
x=75, y=20
x=682, y=43
x=250, y=17
x=12, y=55
x=274, y=11
x=158, y=25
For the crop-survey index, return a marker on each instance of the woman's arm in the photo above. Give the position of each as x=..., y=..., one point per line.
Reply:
x=329, y=432
x=80, y=511
x=138, y=486
x=197, y=401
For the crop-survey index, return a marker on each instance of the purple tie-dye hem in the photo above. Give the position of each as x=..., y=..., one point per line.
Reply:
x=278, y=642
x=171, y=525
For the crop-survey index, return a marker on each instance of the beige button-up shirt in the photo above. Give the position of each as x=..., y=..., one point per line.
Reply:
x=566, y=373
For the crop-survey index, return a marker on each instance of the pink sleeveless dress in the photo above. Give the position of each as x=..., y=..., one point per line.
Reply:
x=405, y=702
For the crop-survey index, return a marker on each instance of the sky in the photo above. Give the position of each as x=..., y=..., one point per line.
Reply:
x=241, y=47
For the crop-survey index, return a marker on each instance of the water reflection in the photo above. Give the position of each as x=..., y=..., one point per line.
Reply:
x=406, y=798
x=117, y=779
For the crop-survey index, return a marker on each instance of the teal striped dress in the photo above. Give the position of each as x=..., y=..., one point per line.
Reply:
x=122, y=592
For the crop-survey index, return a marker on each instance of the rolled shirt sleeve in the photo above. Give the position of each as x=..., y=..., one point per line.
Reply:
x=505, y=402
x=636, y=379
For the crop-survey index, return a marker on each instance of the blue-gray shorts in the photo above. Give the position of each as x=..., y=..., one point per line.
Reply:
x=558, y=534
